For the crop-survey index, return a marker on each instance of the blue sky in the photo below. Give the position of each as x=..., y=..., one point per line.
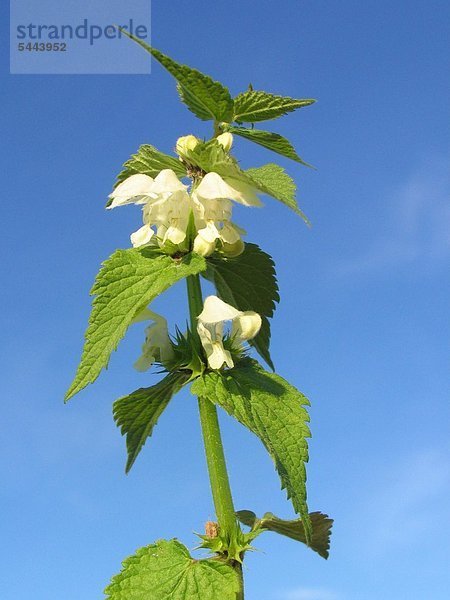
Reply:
x=362, y=327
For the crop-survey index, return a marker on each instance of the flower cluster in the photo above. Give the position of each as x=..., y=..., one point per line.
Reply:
x=167, y=205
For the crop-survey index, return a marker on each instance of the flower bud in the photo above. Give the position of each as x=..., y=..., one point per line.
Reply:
x=233, y=250
x=203, y=247
x=225, y=140
x=185, y=143
x=246, y=326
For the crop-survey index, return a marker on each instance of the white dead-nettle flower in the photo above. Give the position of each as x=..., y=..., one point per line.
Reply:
x=166, y=205
x=225, y=140
x=157, y=346
x=186, y=143
x=212, y=203
x=244, y=326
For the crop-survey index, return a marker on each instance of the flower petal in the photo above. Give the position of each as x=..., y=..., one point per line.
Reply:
x=210, y=233
x=246, y=326
x=132, y=190
x=218, y=356
x=157, y=345
x=216, y=310
x=214, y=350
x=167, y=182
x=141, y=236
x=175, y=234
x=243, y=193
x=212, y=186
x=230, y=233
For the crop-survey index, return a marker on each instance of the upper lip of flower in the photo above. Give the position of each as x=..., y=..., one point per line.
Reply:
x=213, y=187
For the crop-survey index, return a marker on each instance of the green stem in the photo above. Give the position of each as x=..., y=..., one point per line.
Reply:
x=215, y=457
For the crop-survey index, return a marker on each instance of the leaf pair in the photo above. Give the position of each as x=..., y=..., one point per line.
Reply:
x=167, y=570
x=263, y=402
x=131, y=279
x=210, y=100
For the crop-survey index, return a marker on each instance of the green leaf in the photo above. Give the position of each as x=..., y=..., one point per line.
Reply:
x=211, y=156
x=206, y=98
x=150, y=161
x=166, y=571
x=272, y=141
x=252, y=106
x=248, y=282
x=269, y=179
x=272, y=180
x=321, y=528
x=138, y=413
x=273, y=410
x=127, y=282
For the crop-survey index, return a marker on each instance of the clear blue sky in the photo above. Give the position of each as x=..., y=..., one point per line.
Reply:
x=362, y=327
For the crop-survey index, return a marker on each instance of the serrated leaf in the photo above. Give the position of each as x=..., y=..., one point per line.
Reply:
x=206, y=98
x=127, y=282
x=272, y=141
x=273, y=410
x=138, y=413
x=272, y=180
x=166, y=571
x=253, y=106
x=321, y=528
x=248, y=282
x=150, y=161
x=211, y=156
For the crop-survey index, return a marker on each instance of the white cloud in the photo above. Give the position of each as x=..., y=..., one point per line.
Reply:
x=416, y=225
x=310, y=594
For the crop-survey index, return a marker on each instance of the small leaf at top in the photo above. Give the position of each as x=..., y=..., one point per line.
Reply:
x=165, y=570
x=206, y=98
x=253, y=106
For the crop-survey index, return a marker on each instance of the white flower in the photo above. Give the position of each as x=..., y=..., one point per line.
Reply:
x=135, y=189
x=170, y=209
x=157, y=345
x=225, y=140
x=204, y=247
x=214, y=187
x=185, y=143
x=244, y=326
x=166, y=205
x=212, y=202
